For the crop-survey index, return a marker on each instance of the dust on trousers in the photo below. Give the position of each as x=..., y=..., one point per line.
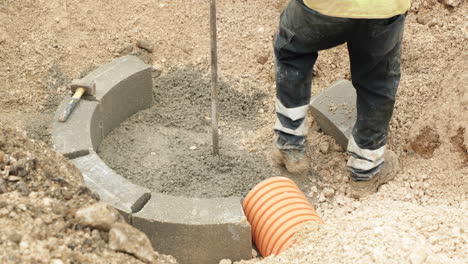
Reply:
x=374, y=47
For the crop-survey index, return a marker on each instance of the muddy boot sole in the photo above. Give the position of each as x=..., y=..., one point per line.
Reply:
x=295, y=161
x=361, y=189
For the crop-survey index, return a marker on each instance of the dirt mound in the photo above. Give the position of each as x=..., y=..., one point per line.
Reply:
x=421, y=216
x=443, y=130
x=40, y=195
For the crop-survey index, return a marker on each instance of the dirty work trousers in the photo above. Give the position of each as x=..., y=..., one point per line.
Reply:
x=374, y=47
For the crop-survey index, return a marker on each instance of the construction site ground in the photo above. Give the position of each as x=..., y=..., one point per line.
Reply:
x=419, y=217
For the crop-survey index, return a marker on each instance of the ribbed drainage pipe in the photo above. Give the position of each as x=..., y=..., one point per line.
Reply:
x=275, y=208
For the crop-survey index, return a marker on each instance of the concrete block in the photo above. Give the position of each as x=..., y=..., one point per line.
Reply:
x=123, y=87
x=112, y=188
x=80, y=133
x=334, y=110
x=196, y=230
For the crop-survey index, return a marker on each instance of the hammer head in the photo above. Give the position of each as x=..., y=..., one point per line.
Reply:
x=90, y=87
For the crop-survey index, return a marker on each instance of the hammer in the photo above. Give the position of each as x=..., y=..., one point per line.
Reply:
x=78, y=88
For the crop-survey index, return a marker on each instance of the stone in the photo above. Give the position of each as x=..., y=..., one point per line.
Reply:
x=56, y=261
x=125, y=49
x=13, y=178
x=196, y=230
x=225, y=261
x=112, y=188
x=254, y=253
x=322, y=198
x=324, y=147
x=146, y=45
x=125, y=238
x=3, y=36
x=334, y=110
x=418, y=256
x=157, y=70
x=3, y=186
x=328, y=192
x=80, y=133
x=262, y=59
x=312, y=192
x=15, y=237
x=22, y=188
x=98, y=215
x=422, y=19
x=451, y=3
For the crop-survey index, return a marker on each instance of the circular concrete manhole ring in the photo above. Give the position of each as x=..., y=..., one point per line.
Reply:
x=193, y=230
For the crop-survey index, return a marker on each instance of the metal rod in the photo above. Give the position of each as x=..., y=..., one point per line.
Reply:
x=214, y=78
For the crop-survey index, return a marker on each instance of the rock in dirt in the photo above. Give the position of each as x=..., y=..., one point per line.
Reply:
x=22, y=188
x=3, y=186
x=262, y=59
x=146, y=45
x=328, y=192
x=418, y=256
x=157, y=70
x=422, y=19
x=99, y=215
x=254, y=253
x=225, y=261
x=3, y=36
x=324, y=147
x=125, y=48
x=14, y=178
x=125, y=238
x=15, y=237
x=451, y=3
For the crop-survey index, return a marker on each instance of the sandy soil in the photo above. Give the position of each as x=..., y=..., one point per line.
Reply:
x=41, y=195
x=419, y=217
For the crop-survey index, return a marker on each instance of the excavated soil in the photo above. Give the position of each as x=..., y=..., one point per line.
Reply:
x=40, y=193
x=168, y=147
x=419, y=217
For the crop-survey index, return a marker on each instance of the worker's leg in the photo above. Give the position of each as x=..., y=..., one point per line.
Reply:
x=374, y=49
x=302, y=33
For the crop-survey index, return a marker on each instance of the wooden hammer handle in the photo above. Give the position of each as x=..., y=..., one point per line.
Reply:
x=71, y=104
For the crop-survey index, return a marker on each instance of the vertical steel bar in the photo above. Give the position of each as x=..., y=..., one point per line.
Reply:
x=214, y=78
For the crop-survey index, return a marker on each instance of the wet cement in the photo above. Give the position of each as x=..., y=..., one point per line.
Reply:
x=167, y=148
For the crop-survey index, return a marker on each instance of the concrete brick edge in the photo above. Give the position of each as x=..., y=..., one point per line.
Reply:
x=112, y=188
x=193, y=230
x=334, y=110
x=196, y=230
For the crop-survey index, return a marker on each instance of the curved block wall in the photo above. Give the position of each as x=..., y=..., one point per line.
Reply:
x=193, y=230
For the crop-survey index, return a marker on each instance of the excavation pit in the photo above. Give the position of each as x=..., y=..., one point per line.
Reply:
x=152, y=160
x=167, y=148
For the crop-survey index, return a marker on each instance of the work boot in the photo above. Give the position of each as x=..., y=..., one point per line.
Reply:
x=294, y=160
x=360, y=189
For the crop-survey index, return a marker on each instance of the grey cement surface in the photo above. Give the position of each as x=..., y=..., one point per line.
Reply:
x=334, y=110
x=167, y=148
x=196, y=230
x=80, y=133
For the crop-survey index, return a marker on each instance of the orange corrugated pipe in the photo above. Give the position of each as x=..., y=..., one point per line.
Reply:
x=274, y=208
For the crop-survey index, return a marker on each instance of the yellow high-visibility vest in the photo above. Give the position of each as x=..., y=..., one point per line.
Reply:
x=359, y=8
